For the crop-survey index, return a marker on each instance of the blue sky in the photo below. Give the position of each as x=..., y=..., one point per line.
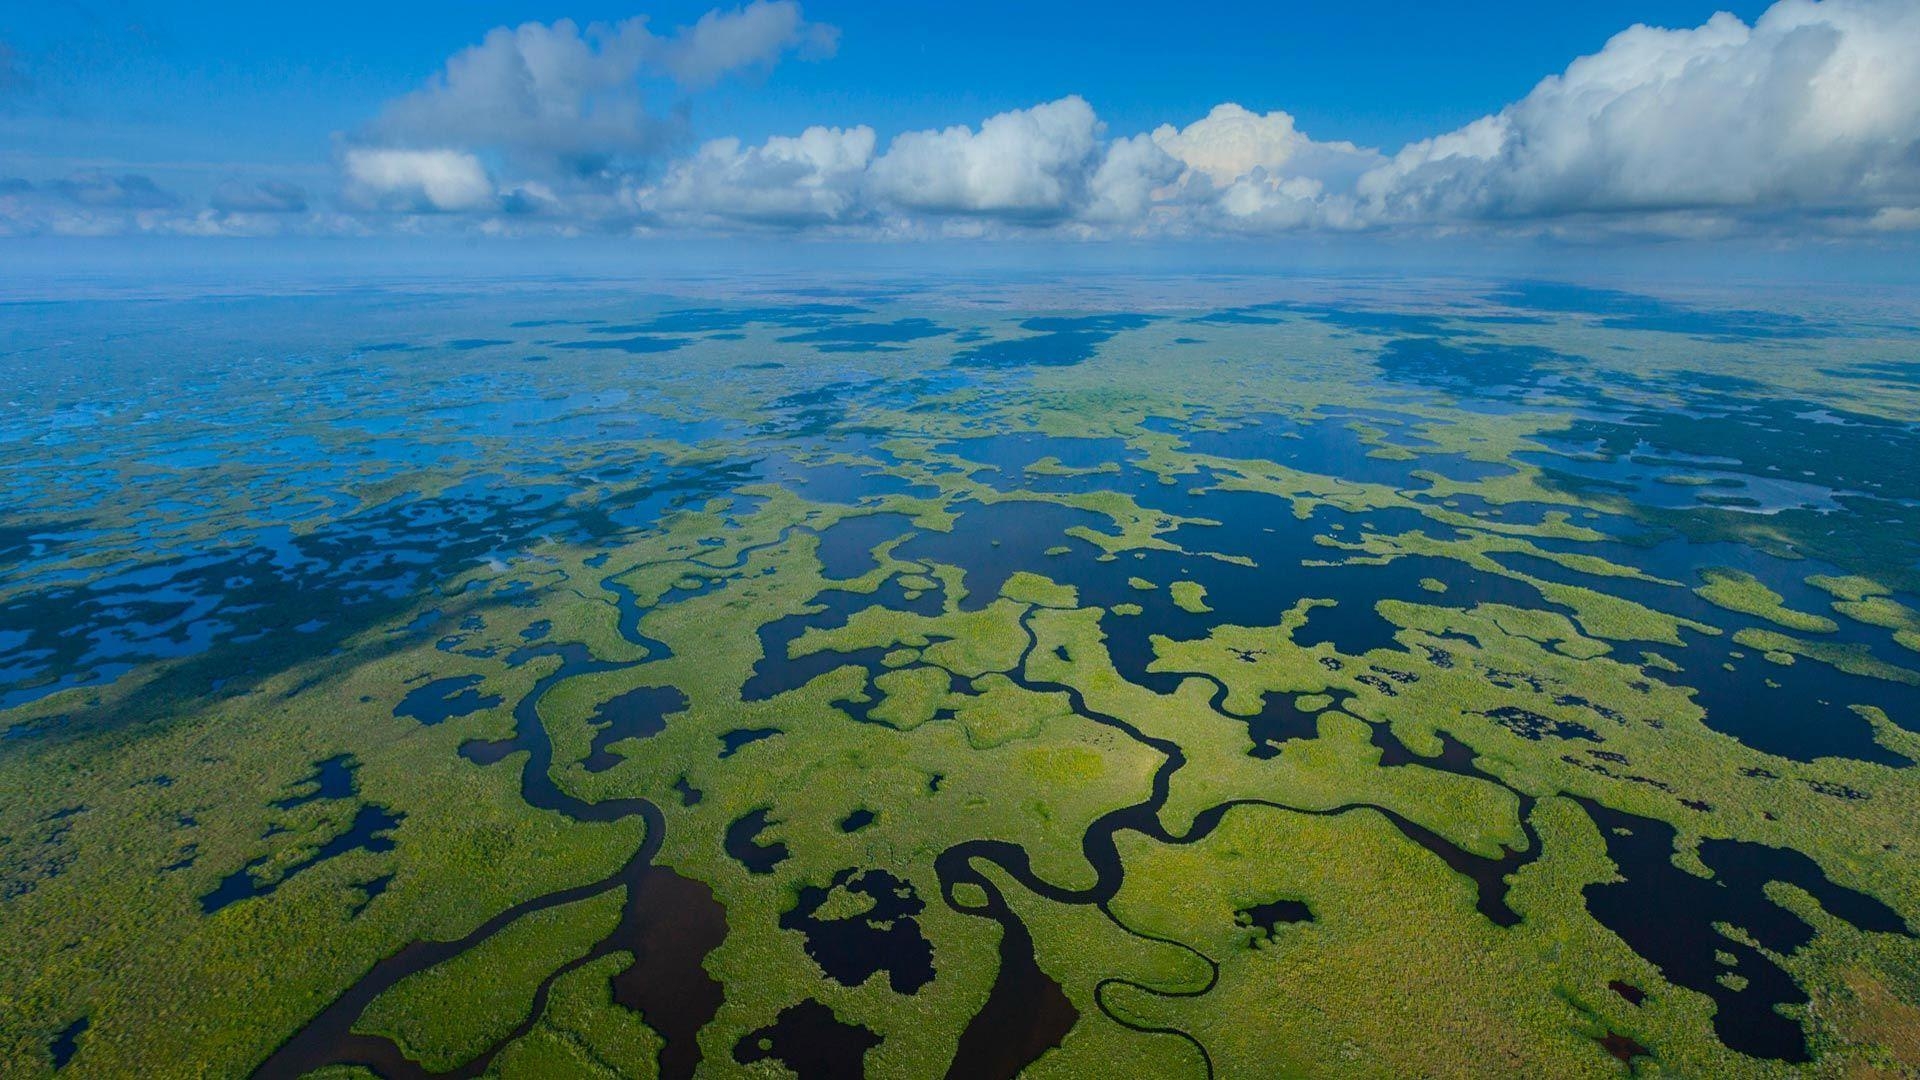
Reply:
x=193, y=97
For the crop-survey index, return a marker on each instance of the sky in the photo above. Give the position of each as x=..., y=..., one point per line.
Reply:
x=1628, y=121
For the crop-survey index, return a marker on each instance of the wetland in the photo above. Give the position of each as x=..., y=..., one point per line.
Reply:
x=1236, y=677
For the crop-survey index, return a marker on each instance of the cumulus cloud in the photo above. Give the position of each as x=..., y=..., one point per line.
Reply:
x=1810, y=114
x=1814, y=108
x=1231, y=142
x=1232, y=170
x=812, y=179
x=546, y=95
x=1027, y=164
x=418, y=181
x=1133, y=176
x=560, y=99
x=1809, y=119
x=1261, y=202
x=1258, y=172
x=743, y=39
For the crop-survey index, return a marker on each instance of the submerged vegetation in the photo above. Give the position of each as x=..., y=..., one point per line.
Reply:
x=1264, y=678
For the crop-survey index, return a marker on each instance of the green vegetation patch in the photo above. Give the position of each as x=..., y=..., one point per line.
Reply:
x=454, y=1010
x=583, y=1032
x=1850, y=658
x=1189, y=596
x=1737, y=590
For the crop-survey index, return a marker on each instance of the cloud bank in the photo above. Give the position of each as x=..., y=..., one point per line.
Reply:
x=1806, y=121
x=563, y=104
x=813, y=179
x=1815, y=109
x=563, y=99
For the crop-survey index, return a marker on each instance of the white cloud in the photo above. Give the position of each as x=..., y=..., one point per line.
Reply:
x=1260, y=202
x=566, y=101
x=811, y=179
x=744, y=38
x=418, y=180
x=1816, y=107
x=1895, y=219
x=547, y=96
x=1253, y=172
x=1807, y=121
x=1230, y=142
x=1133, y=175
x=1025, y=165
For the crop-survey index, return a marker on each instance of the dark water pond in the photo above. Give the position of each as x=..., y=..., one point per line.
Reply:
x=885, y=936
x=812, y=1042
x=1669, y=916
